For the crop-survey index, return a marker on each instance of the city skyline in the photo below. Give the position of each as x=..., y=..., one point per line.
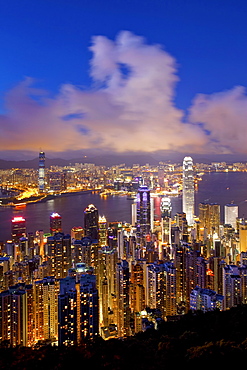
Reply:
x=129, y=77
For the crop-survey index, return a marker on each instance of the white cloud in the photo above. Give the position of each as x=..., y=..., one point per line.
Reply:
x=224, y=115
x=130, y=107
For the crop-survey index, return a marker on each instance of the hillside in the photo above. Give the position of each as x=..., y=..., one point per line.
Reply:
x=194, y=340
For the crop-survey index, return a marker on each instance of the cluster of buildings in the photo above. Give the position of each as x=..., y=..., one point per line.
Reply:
x=164, y=176
x=115, y=279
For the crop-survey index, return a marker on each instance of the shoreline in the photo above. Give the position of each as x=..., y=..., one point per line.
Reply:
x=43, y=199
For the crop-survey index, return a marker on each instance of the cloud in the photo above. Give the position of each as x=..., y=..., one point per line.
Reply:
x=129, y=107
x=224, y=116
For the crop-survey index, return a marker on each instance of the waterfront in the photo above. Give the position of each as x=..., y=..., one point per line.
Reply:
x=218, y=187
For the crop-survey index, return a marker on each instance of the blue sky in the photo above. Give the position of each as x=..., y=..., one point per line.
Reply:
x=49, y=41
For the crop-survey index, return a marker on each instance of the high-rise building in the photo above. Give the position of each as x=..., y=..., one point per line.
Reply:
x=59, y=251
x=243, y=237
x=18, y=228
x=78, y=310
x=209, y=217
x=205, y=300
x=41, y=172
x=143, y=215
x=231, y=215
x=16, y=315
x=77, y=232
x=122, y=295
x=55, y=223
x=45, y=303
x=107, y=285
x=166, y=209
x=91, y=221
x=102, y=231
x=232, y=286
x=188, y=190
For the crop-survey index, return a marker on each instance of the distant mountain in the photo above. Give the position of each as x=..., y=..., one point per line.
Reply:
x=106, y=160
x=127, y=159
x=32, y=163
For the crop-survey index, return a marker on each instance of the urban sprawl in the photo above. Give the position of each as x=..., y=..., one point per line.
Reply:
x=114, y=279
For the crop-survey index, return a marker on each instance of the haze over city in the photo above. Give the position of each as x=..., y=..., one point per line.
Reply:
x=88, y=78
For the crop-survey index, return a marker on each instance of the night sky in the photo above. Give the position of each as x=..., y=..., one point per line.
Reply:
x=87, y=76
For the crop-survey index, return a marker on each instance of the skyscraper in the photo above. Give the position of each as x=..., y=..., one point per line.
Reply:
x=231, y=214
x=55, y=223
x=78, y=309
x=59, y=251
x=188, y=190
x=143, y=214
x=209, y=216
x=166, y=208
x=18, y=228
x=41, y=172
x=91, y=221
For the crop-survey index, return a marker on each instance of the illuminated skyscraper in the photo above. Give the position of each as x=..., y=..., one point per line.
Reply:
x=45, y=302
x=102, y=231
x=209, y=216
x=78, y=309
x=91, y=221
x=59, y=251
x=18, y=228
x=122, y=293
x=188, y=190
x=16, y=315
x=41, y=172
x=77, y=232
x=166, y=209
x=231, y=215
x=55, y=223
x=143, y=214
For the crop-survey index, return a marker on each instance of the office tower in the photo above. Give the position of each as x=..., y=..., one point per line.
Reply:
x=59, y=252
x=205, y=300
x=102, y=231
x=243, y=237
x=41, y=172
x=166, y=209
x=112, y=234
x=16, y=315
x=188, y=190
x=133, y=214
x=77, y=232
x=231, y=215
x=122, y=295
x=55, y=223
x=46, y=313
x=209, y=217
x=18, y=228
x=78, y=316
x=91, y=221
x=143, y=215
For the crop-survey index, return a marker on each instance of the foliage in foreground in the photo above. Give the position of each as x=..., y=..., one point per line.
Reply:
x=196, y=339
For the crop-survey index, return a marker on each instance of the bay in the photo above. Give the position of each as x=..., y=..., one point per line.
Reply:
x=217, y=187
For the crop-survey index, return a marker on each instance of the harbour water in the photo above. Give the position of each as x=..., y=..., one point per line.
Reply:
x=221, y=188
